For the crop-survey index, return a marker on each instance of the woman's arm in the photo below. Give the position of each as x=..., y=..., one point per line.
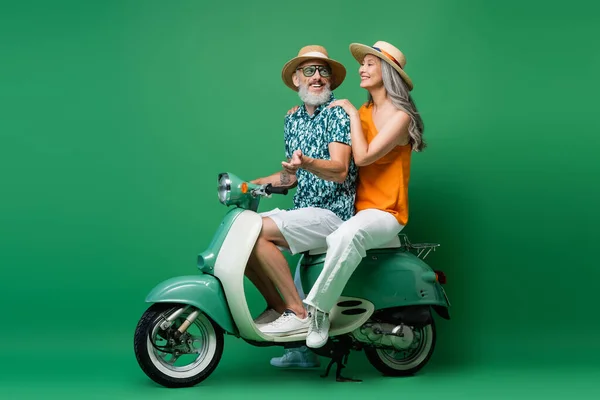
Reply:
x=393, y=133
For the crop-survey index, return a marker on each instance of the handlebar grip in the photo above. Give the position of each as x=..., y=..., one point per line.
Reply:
x=270, y=189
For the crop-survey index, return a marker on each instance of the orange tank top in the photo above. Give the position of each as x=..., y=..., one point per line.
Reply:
x=383, y=185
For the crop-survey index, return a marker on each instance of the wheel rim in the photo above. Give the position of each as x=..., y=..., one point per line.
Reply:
x=201, y=332
x=411, y=357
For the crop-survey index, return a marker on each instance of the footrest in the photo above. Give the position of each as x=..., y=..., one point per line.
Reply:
x=348, y=314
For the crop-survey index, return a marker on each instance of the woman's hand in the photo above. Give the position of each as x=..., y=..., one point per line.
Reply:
x=292, y=110
x=346, y=105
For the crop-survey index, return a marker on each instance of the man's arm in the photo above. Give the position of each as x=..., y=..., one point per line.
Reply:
x=336, y=168
x=281, y=178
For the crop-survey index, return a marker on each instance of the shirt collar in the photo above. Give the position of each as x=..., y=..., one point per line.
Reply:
x=318, y=110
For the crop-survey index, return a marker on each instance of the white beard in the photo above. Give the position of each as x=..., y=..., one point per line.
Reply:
x=314, y=99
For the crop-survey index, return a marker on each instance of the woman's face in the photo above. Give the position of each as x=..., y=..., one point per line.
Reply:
x=370, y=72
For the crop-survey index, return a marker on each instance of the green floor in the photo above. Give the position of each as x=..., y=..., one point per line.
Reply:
x=64, y=370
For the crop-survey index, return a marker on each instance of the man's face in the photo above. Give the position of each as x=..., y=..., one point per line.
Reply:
x=315, y=84
x=314, y=89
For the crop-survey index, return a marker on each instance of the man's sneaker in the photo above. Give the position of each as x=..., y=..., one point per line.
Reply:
x=318, y=331
x=299, y=357
x=267, y=316
x=287, y=324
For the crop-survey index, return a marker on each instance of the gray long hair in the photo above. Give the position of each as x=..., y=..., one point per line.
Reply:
x=398, y=93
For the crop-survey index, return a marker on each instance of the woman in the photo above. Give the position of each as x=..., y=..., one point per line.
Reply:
x=384, y=132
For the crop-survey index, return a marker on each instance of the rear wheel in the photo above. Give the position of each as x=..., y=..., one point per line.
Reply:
x=172, y=359
x=393, y=362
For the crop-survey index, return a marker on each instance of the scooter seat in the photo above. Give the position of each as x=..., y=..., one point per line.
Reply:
x=394, y=243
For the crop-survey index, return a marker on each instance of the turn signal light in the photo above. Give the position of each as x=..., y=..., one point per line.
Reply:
x=440, y=277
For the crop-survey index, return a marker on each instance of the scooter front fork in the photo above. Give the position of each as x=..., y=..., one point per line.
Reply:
x=188, y=321
x=186, y=324
x=169, y=321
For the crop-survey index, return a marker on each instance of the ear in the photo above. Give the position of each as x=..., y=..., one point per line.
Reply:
x=295, y=79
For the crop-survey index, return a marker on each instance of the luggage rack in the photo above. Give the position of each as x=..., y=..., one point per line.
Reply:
x=422, y=249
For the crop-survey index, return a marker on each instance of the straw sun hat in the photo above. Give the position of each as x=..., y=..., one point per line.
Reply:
x=313, y=52
x=387, y=53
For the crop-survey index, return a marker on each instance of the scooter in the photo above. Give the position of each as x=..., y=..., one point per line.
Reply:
x=385, y=308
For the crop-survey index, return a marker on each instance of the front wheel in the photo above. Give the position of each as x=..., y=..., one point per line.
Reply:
x=170, y=358
x=408, y=361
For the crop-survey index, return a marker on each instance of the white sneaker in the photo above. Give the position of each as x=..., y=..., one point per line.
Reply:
x=299, y=357
x=287, y=324
x=267, y=316
x=318, y=331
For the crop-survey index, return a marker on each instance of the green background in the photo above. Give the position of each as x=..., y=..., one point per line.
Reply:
x=117, y=116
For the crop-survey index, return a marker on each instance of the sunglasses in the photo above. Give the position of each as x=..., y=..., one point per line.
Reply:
x=310, y=70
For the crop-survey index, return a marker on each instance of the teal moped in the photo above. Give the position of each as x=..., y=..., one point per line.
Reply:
x=385, y=309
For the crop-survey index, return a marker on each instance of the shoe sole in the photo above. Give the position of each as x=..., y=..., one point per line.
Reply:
x=318, y=345
x=297, y=366
x=263, y=322
x=287, y=333
x=322, y=342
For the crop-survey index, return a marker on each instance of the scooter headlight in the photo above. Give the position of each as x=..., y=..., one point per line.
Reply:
x=224, y=188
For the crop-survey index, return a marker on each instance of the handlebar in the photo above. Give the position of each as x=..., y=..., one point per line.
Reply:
x=270, y=189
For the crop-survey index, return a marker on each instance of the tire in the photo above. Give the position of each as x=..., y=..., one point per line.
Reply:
x=155, y=363
x=415, y=358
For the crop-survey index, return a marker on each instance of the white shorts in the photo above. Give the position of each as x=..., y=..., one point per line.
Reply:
x=305, y=228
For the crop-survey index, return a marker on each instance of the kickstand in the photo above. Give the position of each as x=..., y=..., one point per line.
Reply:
x=340, y=360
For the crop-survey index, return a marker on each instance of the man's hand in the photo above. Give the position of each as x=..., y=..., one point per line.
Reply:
x=295, y=163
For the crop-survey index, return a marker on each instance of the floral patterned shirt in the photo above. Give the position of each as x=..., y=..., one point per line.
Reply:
x=312, y=135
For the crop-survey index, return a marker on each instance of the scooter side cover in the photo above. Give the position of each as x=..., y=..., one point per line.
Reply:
x=387, y=278
x=202, y=291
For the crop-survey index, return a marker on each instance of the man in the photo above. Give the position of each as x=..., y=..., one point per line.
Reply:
x=319, y=164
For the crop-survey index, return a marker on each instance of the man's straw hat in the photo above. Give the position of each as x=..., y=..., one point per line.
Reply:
x=312, y=52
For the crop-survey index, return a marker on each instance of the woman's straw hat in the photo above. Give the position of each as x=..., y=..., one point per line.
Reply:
x=387, y=53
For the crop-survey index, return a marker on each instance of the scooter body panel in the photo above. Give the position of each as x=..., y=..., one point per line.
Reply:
x=230, y=265
x=386, y=277
x=226, y=258
x=202, y=291
x=207, y=259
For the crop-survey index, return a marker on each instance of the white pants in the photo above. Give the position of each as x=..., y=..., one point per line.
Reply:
x=346, y=247
x=305, y=228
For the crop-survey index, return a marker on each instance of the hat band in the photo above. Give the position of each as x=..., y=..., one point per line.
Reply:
x=388, y=55
x=317, y=54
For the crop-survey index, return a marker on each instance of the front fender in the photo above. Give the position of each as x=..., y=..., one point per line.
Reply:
x=202, y=291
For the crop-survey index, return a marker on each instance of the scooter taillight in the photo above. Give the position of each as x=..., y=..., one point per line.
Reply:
x=440, y=277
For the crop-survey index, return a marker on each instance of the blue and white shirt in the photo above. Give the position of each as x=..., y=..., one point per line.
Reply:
x=312, y=135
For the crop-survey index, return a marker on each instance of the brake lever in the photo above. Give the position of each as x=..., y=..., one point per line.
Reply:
x=260, y=191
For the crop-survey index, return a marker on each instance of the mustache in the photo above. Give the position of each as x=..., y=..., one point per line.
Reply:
x=319, y=81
